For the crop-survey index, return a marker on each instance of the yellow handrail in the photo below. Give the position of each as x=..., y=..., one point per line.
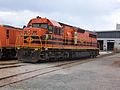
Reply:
x=17, y=43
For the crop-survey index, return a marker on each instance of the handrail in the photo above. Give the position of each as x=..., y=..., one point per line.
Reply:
x=40, y=43
x=17, y=43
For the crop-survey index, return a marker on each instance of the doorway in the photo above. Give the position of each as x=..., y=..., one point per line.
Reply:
x=100, y=42
x=110, y=46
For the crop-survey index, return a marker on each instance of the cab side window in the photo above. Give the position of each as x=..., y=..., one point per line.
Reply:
x=50, y=28
x=57, y=31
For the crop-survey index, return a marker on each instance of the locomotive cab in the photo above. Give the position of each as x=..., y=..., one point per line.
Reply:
x=39, y=30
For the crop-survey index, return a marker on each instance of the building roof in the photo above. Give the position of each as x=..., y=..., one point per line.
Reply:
x=108, y=31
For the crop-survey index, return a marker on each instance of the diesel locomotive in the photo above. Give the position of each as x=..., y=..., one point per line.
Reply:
x=44, y=39
x=8, y=35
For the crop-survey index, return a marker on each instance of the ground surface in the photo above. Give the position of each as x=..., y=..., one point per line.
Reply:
x=102, y=74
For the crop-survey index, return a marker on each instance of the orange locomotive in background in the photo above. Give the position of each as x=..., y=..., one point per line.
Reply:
x=8, y=35
x=45, y=39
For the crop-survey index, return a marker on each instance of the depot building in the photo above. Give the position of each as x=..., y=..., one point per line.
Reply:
x=109, y=40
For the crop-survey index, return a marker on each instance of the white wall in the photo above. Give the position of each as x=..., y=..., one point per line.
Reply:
x=116, y=43
x=105, y=45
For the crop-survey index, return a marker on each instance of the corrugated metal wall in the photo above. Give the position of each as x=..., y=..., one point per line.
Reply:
x=109, y=34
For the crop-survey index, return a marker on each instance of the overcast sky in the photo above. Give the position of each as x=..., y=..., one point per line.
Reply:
x=88, y=14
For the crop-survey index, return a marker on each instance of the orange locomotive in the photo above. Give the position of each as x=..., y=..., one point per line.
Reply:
x=8, y=35
x=45, y=39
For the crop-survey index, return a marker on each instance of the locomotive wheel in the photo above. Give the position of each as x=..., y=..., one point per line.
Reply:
x=44, y=56
x=61, y=56
x=35, y=56
x=20, y=54
x=92, y=54
x=58, y=56
x=66, y=55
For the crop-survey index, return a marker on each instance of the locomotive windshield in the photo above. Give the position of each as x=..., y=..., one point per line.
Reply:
x=40, y=25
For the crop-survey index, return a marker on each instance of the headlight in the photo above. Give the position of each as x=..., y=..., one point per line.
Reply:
x=36, y=49
x=18, y=48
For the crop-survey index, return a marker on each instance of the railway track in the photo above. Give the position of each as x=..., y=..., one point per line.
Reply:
x=20, y=76
x=10, y=64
